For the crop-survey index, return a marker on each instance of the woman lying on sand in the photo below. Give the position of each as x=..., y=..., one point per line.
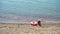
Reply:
x=34, y=23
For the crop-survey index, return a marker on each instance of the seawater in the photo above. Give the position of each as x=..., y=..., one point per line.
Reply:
x=29, y=10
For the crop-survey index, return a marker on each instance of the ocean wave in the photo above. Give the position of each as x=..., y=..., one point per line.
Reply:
x=28, y=18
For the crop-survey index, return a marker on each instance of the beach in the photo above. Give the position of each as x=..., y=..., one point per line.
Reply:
x=19, y=28
x=22, y=25
x=16, y=16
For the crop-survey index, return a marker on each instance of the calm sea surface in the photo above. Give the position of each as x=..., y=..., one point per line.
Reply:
x=28, y=10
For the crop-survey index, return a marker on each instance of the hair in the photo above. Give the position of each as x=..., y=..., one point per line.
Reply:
x=39, y=23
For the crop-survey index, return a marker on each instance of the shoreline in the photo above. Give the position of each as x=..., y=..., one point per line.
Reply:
x=28, y=22
x=27, y=19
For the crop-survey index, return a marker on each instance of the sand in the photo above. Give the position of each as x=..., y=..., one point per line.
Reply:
x=10, y=28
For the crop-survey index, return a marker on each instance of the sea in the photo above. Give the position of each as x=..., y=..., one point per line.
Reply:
x=29, y=10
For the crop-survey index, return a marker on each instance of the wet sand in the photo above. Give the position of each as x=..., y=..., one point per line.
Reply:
x=14, y=28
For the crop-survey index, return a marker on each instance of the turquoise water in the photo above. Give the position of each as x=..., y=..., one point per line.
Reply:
x=38, y=8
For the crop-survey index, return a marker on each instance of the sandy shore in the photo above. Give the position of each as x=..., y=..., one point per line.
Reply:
x=50, y=28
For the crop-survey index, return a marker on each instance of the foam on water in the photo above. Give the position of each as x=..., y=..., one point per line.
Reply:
x=28, y=19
